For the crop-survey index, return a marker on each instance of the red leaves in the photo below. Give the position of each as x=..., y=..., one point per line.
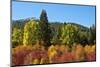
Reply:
x=38, y=54
x=91, y=56
x=19, y=53
x=23, y=55
x=66, y=57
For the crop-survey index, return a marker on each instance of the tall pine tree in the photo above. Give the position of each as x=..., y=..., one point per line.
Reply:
x=45, y=29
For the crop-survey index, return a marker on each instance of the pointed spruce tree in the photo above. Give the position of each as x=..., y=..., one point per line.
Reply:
x=45, y=29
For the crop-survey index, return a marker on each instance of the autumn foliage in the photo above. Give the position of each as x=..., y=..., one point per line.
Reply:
x=23, y=55
x=40, y=42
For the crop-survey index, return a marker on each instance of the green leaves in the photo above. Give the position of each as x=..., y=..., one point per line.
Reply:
x=30, y=32
x=17, y=37
x=45, y=29
x=69, y=33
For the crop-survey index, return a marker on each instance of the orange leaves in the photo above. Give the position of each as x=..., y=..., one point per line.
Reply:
x=67, y=57
x=90, y=52
x=37, y=54
x=79, y=53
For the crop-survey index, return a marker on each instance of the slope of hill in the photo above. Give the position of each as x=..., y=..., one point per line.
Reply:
x=20, y=23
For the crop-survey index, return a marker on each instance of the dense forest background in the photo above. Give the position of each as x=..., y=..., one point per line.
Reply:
x=50, y=35
x=57, y=32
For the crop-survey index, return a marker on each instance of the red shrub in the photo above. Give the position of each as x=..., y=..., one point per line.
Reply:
x=91, y=56
x=19, y=54
x=66, y=57
x=38, y=54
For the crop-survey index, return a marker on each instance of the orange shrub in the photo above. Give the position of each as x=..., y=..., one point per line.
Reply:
x=79, y=53
x=19, y=54
x=90, y=53
x=37, y=54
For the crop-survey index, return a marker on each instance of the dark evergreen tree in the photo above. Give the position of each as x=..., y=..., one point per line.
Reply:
x=45, y=29
x=92, y=35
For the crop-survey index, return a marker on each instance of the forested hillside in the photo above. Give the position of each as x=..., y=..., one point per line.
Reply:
x=39, y=41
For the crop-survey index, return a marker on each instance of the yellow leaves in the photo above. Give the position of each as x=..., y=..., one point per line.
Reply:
x=37, y=54
x=35, y=61
x=30, y=32
x=79, y=53
x=43, y=60
x=89, y=48
x=90, y=52
x=51, y=52
x=93, y=48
